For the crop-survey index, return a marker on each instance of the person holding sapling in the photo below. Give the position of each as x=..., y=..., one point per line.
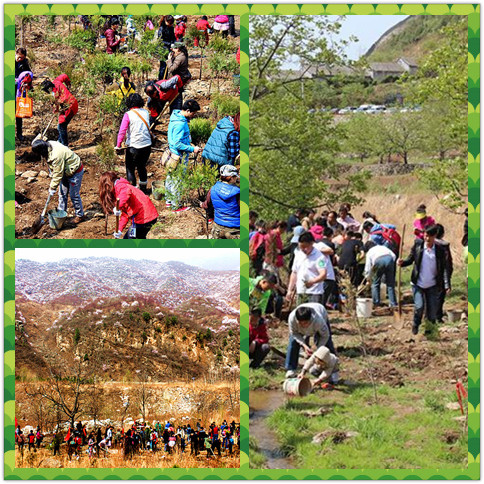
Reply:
x=309, y=320
x=179, y=149
x=223, y=146
x=224, y=197
x=138, y=140
x=322, y=364
x=112, y=43
x=133, y=204
x=124, y=87
x=67, y=172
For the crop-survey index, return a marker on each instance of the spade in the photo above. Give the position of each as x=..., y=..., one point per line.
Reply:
x=36, y=226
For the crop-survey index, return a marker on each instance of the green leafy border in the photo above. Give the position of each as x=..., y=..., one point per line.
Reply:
x=10, y=11
x=472, y=472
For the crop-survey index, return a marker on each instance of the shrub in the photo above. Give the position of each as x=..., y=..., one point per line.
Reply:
x=230, y=333
x=82, y=40
x=146, y=316
x=191, y=34
x=221, y=65
x=200, y=130
x=225, y=105
x=107, y=161
x=149, y=48
x=222, y=46
x=104, y=66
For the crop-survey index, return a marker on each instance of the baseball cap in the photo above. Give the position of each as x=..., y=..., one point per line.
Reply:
x=297, y=231
x=229, y=170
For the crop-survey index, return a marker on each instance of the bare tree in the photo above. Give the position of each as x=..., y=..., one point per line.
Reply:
x=143, y=395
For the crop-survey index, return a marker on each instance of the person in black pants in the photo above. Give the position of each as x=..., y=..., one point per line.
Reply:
x=232, y=26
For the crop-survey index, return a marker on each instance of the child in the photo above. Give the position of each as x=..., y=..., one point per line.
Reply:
x=323, y=364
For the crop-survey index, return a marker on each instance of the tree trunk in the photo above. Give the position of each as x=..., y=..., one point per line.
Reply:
x=405, y=158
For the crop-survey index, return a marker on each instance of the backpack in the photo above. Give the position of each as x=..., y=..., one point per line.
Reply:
x=391, y=236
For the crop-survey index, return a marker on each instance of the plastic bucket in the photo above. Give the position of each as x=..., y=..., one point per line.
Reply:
x=56, y=218
x=297, y=387
x=454, y=316
x=157, y=189
x=364, y=307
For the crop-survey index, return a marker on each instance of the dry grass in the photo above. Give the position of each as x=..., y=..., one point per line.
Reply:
x=43, y=458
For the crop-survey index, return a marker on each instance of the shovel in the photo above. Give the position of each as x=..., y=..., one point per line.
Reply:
x=162, y=112
x=398, y=316
x=117, y=216
x=41, y=136
x=40, y=220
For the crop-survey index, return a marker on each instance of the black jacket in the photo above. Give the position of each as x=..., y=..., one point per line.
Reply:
x=443, y=277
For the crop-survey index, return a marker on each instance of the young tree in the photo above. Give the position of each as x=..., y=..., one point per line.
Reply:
x=405, y=133
x=292, y=152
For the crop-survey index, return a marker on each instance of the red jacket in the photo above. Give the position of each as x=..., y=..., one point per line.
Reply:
x=203, y=24
x=273, y=246
x=255, y=242
x=258, y=334
x=133, y=202
x=112, y=44
x=237, y=56
x=64, y=96
x=163, y=95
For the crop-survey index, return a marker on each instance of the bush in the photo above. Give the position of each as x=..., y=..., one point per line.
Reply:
x=221, y=65
x=82, y=40
x=222, y=46
x=225, y=105
x=200, y=130
x=107, y=161
x=105, y=67
x=149, y=48
x=146, y=316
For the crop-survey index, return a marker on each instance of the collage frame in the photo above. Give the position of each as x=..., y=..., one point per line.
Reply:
x=244, y=11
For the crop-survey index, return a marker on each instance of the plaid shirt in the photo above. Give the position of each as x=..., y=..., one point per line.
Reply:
x=234, y=145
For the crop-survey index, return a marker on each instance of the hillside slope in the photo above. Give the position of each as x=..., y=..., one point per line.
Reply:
x=414, y=37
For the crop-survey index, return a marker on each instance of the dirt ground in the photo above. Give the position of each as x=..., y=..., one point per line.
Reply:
x=84, y=135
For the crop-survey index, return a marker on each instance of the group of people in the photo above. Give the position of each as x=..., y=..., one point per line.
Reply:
x=140, y=437
x=327, y=255
x=135, y=139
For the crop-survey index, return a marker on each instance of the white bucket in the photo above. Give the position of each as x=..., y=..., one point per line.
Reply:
x=297, y=387
x=364, y=307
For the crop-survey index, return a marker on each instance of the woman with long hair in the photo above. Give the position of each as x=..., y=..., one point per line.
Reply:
x=133, y=204
x=223, y=146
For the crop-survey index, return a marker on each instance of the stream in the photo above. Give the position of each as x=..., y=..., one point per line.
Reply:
x=262, y=403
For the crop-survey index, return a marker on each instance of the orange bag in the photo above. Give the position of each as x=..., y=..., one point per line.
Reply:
x=24, y=107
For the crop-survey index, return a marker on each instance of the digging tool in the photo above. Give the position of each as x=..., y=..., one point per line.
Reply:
x=41, y=136
x=105, y=224
x=117, y=216
x=163, y=111
x=36, y=226
x=398, y=317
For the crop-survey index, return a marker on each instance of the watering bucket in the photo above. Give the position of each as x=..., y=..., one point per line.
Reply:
x=299, y=387
x=157, y=189
x=364, y=307
x=454, y=315
x=56, y=218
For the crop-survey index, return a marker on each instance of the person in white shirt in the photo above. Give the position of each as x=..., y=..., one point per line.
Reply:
x=380, y=261
x=309, y=271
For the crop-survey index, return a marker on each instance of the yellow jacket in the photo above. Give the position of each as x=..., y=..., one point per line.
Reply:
x=121, y=92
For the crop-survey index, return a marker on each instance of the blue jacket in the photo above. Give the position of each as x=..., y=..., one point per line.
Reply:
x=179, y=134
x=225, y=204
x=216, y=149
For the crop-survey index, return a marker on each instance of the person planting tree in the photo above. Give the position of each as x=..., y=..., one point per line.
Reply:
x=179, y=149
x=124, y=87
x=224, y=197
x=67, y=172
x=203, y=27
x=65, y=103
x=223, y=146
x=138, y=140
x=133, y=204
x=161, y=92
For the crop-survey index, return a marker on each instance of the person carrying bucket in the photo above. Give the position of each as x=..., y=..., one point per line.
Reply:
x=67, y=172
x=309, y=320
x=322, y=364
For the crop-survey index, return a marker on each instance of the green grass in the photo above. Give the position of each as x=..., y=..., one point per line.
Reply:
x=404, y=430
x=256, y=459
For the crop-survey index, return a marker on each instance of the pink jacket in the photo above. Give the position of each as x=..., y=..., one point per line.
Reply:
x=420, y=224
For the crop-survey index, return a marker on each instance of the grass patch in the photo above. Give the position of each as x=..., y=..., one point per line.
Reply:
x=256, y=459
x=390, y=435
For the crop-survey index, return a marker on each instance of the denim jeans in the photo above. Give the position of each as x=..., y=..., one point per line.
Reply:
x=292, y=355
x=384, y=266
x=427, y=299
x=71, y=186
x=62, y=128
